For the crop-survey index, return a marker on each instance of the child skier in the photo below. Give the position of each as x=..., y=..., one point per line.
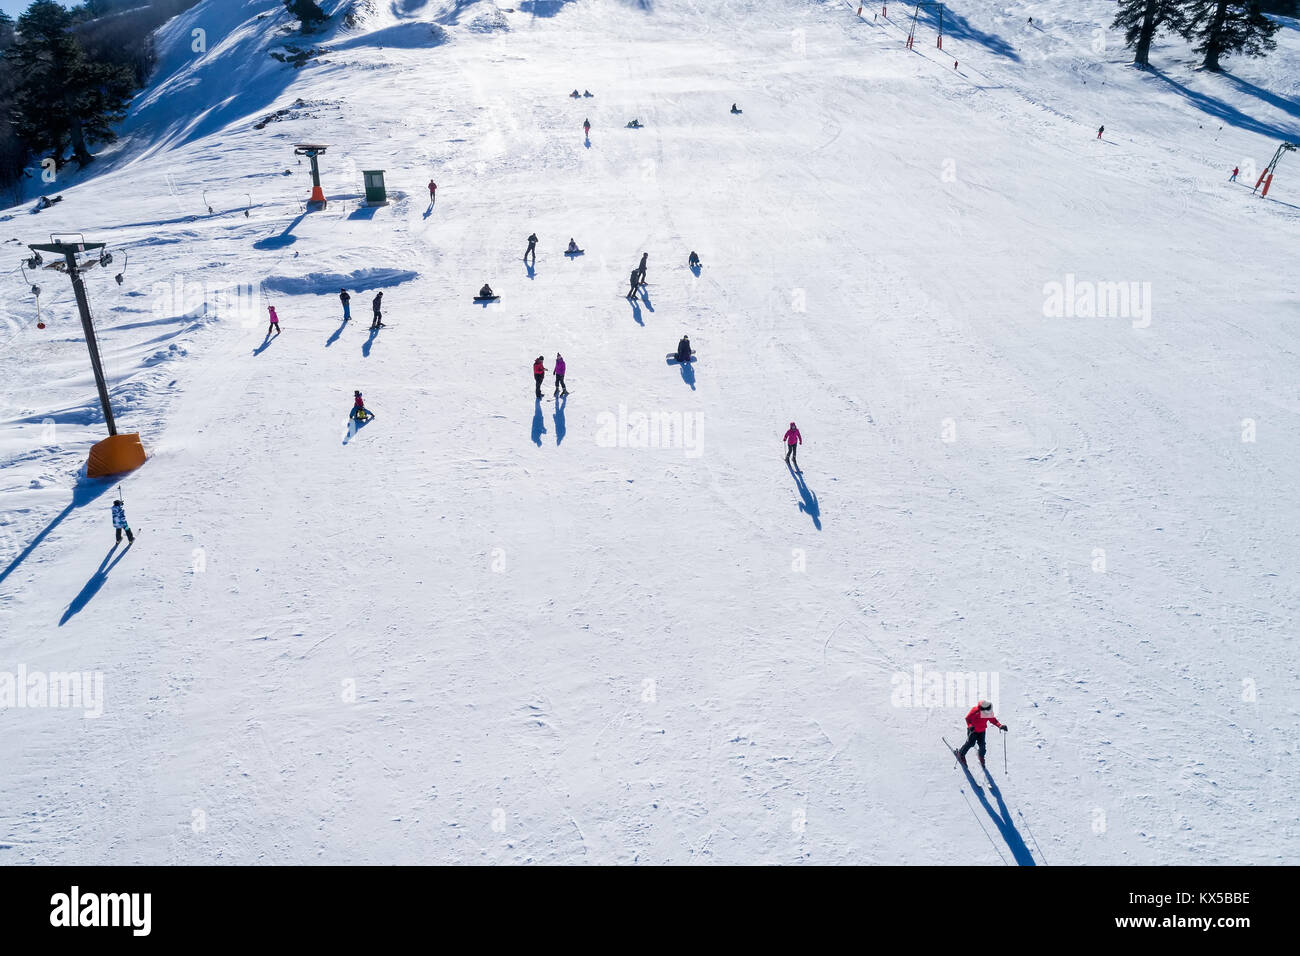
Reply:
x=347, y=306
x=275, y=322
x=792, y=442
x=119, y=523
x=977, y=721
x=558, y=372
x=539, y=373
x=1233, y=177
x=359, y=411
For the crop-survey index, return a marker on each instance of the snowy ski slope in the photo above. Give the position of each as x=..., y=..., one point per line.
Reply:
x=485, y=629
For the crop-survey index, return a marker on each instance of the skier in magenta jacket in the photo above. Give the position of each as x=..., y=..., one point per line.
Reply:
x=977, y=722
x=792, y=442
x=558, y=371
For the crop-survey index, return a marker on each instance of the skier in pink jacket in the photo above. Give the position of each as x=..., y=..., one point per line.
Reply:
x=558, y=372
x=792, y=442
x=275, y=322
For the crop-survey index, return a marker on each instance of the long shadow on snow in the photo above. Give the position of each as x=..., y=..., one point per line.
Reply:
x=809, y=504
x=559, y=419
x=266, y=343
x=543, y=8
x=285, y=238
x=1229, y=114
x=92, y=586
x=636, y=312
x=1002, y=820
x=1290, y=107
x=365, y=349
x=539, y=425
x=687, y=369
x=85, y=491
x=959, y=28
x=337, y=332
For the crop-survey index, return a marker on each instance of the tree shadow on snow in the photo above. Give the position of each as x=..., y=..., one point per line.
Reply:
x=85, y=491
x=92, y=586
x=542, y=8
x=285, y=238
x=1290, y=107
x=959, y=28
x=1229, y=114
x=1002, y=820
x=808, y=503
x=559, y=419
x=539, y=424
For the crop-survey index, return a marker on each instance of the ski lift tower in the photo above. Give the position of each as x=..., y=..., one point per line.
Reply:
x=1266, y=177
x=116, y=453
x=311, y=151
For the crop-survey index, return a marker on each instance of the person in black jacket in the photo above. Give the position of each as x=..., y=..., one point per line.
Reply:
x=532, y=248
x=345, y=299
x=377, y=303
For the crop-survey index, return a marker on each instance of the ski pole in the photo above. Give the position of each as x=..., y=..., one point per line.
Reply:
x=1004, y=755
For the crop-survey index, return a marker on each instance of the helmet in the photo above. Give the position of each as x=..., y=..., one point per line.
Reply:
x=356, y=391
x=985, y=705
x=118, y=502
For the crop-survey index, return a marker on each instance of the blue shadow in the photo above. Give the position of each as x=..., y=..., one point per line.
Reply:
x=85, y=491
x=92, y=586
x=1002, y=820
x=808, y=503
x=1229, y=114
x=559, y=419
x=959, y=28
x=539, y=424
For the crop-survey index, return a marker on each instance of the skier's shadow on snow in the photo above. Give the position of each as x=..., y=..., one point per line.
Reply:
x=266, y=344
x=531, y=269
x=1002, y=819
x=809, y=503
x=688, y=373
x=587, y=142
x=94, y=584
x=337, y=332
x=645, y=297
x=636, y=312
x=355, y=425
x=695, y=270
x=539, y=424
x=365, y=349
x=559, y=420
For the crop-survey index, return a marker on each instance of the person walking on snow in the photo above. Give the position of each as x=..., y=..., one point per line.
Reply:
x=558, y=372
x=977, y=722
x=532, y=248
x=635, y=281
x=640, y=270
x=1100, y=130
x=433, y=188
x=347, y=304
x=1233, y=177
x=120, y=525
x=792, y=442
x=275, y=322
x=539, y=373
x=377, y=304
x=586, y=128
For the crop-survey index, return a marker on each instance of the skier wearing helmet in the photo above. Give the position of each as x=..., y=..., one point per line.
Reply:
x=977, y=722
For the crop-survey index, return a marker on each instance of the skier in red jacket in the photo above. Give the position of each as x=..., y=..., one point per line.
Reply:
x=977, y=721
x=539, y=374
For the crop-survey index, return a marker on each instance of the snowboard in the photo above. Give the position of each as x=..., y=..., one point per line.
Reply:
x=574, y=252
x=486, y=298
x=672, y=357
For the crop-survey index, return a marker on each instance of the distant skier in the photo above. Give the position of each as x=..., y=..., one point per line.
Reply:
x=640, y=270
x=586, y=128
x=359, y=411
x=275, y=322
x=792, y=442
x=1235, y=171
x=694, y=260
x=576, y=95
x=977, y=721
x=558, y=372
x=433, y=189
x=377, y=304
x=539, y=374
x=1100, y=130
x=684, y=349
x=120, y=525
x=636, y=281
x=635, y=124
x=486, y=292
x=532, y=248
x=734, y=110
x=588, y=93
x=573, y=246
x=347, y=304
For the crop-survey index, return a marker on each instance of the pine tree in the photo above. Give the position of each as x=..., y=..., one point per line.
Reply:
x=62, y=98
x=1223, y=29
x=308, y=12
x=1141, y=20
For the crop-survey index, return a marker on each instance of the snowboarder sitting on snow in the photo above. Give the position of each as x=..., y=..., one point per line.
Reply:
x=635, y=124
x=684, y=349
x=588, y=93
x=573, y=246
x=575, y=94
x=977, y=721
x=734, y=110
x=485, y=292
x=694, y=260
x=359, y=411
x=119, y=523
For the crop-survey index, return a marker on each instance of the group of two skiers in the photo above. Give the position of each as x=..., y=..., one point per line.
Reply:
x=539, y=375
x=638, y=276
x=376, y=305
